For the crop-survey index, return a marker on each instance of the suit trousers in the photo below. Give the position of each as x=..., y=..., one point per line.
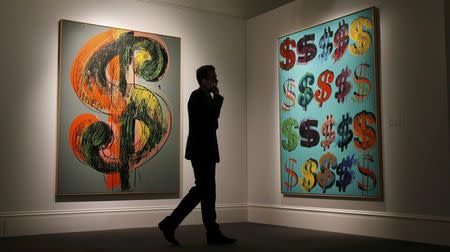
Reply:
x=204, y=192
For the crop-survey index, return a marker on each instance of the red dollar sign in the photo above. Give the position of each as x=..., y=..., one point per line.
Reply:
x=324, y=82
x=341, y=40
x=363, y=167
x=365, y=135
x=287, y=54
x=292, y=179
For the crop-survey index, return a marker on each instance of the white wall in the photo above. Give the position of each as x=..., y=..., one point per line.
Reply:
x=29, y=111
x=414, y=114
x=413, y=108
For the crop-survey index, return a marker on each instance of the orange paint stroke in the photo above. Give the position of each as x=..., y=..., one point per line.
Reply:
x=77, y=128
x=112, y=180
x=106, y=99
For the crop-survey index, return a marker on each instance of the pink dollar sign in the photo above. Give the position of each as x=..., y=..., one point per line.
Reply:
x=328, y=132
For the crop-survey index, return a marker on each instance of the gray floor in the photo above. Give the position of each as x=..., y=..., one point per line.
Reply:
x=251, y=237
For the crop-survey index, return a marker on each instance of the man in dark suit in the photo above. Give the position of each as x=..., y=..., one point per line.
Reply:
x=203, y=110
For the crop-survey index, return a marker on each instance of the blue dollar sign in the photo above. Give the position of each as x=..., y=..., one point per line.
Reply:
x=345, y=173
x=345, y=133
x=325, y=44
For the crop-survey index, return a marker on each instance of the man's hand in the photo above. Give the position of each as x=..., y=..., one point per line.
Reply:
x=215, y=90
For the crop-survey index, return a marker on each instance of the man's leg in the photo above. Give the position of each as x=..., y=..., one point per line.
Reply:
x=206, y=177
x=187, y=204
x=205, y=174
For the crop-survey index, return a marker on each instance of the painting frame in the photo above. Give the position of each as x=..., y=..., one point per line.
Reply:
x=168, y=104
x=379, y=195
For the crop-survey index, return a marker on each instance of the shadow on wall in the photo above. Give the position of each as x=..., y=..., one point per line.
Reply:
x=447, y=57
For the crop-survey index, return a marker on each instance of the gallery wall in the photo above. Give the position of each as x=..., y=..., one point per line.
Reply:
x=414, y=121
x=29, y=105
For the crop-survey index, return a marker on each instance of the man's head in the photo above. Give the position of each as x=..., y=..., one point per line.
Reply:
x=206, y=77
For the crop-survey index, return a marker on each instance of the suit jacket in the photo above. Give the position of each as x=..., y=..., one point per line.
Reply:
x=203, y=112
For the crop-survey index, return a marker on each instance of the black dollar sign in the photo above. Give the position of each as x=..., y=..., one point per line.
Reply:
x=345, y=173
x=306, y=49
x=306, y=93
x=343, y=85
x=345, y=132
x=310, y=136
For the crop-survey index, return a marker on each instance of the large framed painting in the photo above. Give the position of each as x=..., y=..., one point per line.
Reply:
x=119, y=112
x=330, y=134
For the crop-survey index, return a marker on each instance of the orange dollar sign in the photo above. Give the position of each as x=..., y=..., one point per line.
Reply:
x=324, y=82
x=326, y=178
x=287, y=54
x=104, y=76
x=365, y=135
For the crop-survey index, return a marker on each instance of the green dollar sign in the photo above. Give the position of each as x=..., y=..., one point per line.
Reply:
x=306, y=93
x=288, y=131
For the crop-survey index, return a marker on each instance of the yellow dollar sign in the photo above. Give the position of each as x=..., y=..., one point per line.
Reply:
x=309, y=169
x=362, y=37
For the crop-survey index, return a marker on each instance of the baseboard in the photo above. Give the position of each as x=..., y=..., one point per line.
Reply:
x=416, y=228
x=47, y=222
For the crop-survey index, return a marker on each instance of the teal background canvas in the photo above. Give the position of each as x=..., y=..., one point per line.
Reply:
x=331, y=106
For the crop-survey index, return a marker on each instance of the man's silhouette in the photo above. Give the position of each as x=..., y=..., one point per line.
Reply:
x=203, y=110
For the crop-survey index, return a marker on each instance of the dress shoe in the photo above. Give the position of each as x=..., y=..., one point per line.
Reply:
x=218, y=238
x=168, y=231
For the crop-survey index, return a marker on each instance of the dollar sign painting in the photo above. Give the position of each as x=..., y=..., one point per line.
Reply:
x=328, y=132
x=310, y=136
x=306, y=49
x=309, y=180
x=326, y=178
x=288, y=131
x=368, y=180
x=343, y=85
x=292, y=179
x=103, y=76
x=306, y=93
x=325, y=44
x=324, y=82
x=344, y=131
x=287, y=54
x=345, y=173
x=291, y=99
x=362, y=82
x=361, y=37
x=340, y=41
x=365, y=135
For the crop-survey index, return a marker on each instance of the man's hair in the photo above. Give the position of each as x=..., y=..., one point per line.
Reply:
x=202, y=72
